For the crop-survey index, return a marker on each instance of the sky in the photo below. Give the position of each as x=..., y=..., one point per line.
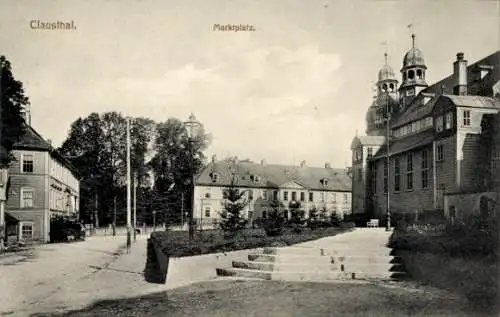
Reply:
x=295, y=89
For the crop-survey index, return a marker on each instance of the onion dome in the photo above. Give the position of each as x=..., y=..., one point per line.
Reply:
x=414, y=57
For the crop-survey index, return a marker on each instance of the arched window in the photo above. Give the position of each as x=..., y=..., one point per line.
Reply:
x=419, y=74
x=411, y=74
x=384, y=87
x=391, y=86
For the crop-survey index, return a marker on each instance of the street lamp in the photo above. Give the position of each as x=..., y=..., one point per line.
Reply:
x=192, y=129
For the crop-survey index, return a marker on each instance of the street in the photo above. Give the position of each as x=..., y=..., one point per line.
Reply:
x=53, y=272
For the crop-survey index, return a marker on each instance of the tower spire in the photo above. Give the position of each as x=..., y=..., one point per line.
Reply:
x=385, y=57
x=413, y=40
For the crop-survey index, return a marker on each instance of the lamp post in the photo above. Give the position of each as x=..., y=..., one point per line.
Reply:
x=135, y=206
x=192, y=128
x=388, y=157
x=4, y=186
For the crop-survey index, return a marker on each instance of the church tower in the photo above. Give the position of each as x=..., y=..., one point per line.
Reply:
x=386, y=99
x=413, y=73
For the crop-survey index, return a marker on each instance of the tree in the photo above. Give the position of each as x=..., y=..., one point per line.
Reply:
x=297, y=219
x=175, y=160
x=313, y=221
x=13, y=102
x=233, y=221
x=274, y=223
x=96, y=145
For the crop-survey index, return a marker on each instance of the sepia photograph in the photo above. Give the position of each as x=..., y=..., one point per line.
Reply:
x=226, y=158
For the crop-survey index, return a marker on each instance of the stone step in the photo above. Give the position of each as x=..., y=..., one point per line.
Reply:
x=284, y=266
x=370, y=267
x=308, y=276
x=347, y=252
x=366, y=259
x=263, y=257
x=246, y=273
x=293, y=250
x=254, y=265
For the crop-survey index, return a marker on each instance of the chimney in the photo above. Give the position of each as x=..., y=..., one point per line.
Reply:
x=327, y=165
x=460, y=75
x=303, y=163
x=262, y=162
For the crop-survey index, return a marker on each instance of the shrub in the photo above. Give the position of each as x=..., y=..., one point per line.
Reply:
x=232, y=220
x=335, y=219
x=313, y=222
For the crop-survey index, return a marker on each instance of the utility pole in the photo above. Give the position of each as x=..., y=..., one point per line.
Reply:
x=135, y=206
x=114, y=215
x=129, y=220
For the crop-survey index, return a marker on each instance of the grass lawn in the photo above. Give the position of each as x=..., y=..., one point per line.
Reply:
x=177, y=244
x=272, y=298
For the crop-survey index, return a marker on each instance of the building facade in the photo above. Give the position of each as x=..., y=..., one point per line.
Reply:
x=42, y=184
x=328, y=190
x=424, y=142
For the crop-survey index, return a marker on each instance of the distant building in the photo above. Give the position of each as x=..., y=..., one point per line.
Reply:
x=325, y=188
x=42, y=184
x=435, y=138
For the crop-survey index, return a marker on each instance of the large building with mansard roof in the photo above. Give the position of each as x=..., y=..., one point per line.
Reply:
x=433, y=149
x=325, y=188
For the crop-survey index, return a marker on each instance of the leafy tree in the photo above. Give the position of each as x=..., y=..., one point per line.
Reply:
x=274, y=223
x=13, y=101
x=233, y=221
x=335, y=219
x=175, y=161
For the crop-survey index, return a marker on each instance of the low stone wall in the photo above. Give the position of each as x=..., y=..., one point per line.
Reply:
x=175, y=272
x=475, y=280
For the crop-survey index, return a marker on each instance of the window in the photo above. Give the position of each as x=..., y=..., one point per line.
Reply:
x=411, y=74
x=264, y=213
x=324, y=182
x=467, y=117
x=449, y=120
x=311, y=196
x=425, y=168
x=207, y=195
x=275, y=195
x=397, y=175
x=207, y=212
x=285, y=195
x=439, y=124
x=370, y=153
x=250, y=194
x=27, y=163
x=419, y=73
x=334, y=197
x=440, y=152
x=264, y=195
x=386, y=172
x=26, y=229
x=255, y=178
x=294, y=196
x=26, y=198
x=225, y=194
x=322, y=197
x=346, y=198
x=410, y=92
x=214, y=177
x=414, y=126
x=409, y=171
x=302, y=196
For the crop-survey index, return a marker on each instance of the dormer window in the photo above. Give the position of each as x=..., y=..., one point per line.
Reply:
x=255, y=178
x=214, y=177
x=324, y=182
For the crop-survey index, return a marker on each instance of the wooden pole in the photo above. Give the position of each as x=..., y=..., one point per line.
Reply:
x=135, y=206
x=2, y=201
x=129, y=216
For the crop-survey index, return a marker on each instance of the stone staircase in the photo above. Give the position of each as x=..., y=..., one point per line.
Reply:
x=324, y=261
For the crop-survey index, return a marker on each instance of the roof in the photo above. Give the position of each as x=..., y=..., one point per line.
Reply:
x=474, y=101
x=275, y=176
x=410, y=142
x=414, y=57
x=488, y=81
x=415, y=111
x=32, y=140
x=367, y=140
